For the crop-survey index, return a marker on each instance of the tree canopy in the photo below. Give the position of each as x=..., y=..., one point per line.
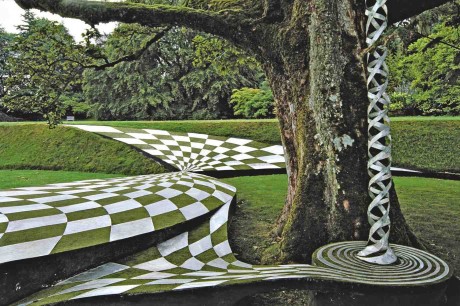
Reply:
x=136, y=72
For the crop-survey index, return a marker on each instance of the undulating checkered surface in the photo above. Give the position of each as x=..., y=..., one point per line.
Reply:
x=203, y=258
x=197, y=152
x=38, y=221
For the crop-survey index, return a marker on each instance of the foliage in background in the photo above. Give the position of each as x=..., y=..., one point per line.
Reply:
x=425, y=64
x=253, y=103
x=44, y=69
x=184, y=75
x=5, y=40
x=126, y=76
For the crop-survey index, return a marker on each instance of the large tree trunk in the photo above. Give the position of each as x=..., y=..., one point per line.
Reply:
x=319, y=84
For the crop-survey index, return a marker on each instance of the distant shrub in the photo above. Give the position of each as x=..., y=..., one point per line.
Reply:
x=253, y=102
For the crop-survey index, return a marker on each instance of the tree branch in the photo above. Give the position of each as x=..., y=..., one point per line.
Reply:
x=134, y=56
x=401, y=9
x=224, y=23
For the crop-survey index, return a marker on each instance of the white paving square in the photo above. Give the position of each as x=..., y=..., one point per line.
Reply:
x=193, y=210
x=159, y=264
x=87, y=224
x=122, y=206
x=130, y=229
x=200, y=246
x=24, y=224
x=174, y=244
x=160, y=207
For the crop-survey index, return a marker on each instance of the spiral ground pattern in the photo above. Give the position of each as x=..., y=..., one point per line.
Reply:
x=413, y=268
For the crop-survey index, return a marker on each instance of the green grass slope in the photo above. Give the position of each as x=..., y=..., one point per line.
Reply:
x=35, y=146
x=28, y=178
x=423, y=143
x=427, y=145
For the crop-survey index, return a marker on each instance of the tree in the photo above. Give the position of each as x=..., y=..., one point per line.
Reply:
x=5, y=40
x=184, y=75
x=312, y=54
x=425, y=64
x=44, y=69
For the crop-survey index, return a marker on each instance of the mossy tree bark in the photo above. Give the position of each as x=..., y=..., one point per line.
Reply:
x=312, y=53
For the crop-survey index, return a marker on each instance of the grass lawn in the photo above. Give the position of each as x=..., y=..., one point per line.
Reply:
x=63, y=148
x=431, y=208
x=27, y=178
x=423, y=143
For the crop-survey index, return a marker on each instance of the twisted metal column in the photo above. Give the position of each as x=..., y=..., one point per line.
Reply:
x=378, y=250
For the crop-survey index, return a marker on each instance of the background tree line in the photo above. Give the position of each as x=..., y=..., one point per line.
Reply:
x=132, y=74
x=147, y=73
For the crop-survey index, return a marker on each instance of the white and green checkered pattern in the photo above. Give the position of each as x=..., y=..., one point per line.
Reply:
x=197, y=152
x=203, y=258
x=38, y=221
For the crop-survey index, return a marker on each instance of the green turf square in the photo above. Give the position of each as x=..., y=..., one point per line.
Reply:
x=183, y=200
x=33, y=214
x=179, y=257
x=226, y=159
x=211, y=203
x=83, y=240
x=86, y=214
x=164, y=137
x=67, y=202
x=144, y=146
x=141, y=257
x=153, y=142
x=151, y=198
x=114, y=135
x=88, y=193
x=198, y=233
x=32, y=234
x=220, y=235
x=204, y=188
x=129, y=215
x=182, y=188
x=207, y=256
x=16, y=203
x=112, y=200
x=257, y=145
x=209, y=147
x=252, y=161
x=3, y=226
x=259, y=153
x=37, y=196
x=128, y=273
x=131, y=130
x=229, y=145
x=229, y=257
x=168, y=219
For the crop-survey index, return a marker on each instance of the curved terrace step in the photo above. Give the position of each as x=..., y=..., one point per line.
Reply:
x=95, y=221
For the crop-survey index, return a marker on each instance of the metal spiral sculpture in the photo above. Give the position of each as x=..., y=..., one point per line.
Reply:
x=378, y=250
